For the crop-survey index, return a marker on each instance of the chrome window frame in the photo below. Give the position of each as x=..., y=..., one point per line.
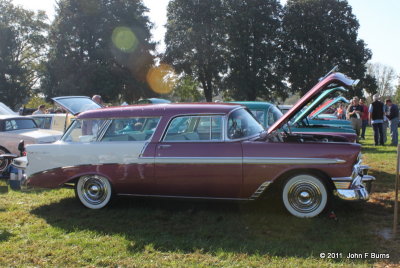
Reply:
x=243, y=138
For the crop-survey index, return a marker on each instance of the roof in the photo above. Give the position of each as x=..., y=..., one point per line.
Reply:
x=169, y=109
x=255, y=104
x=10, y=116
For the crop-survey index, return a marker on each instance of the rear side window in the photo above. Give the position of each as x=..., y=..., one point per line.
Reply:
x=131, y=129
x=195, y=128
x=17, y=124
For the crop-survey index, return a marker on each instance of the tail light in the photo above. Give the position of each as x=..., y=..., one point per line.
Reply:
x=21, y=148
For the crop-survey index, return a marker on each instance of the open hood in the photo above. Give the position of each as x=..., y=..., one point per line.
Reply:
x=337, y=80
x=329, y=103
x=76, y=104
x=315, y=103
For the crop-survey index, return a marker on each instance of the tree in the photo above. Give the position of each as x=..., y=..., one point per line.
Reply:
x=320, y=34
x=254, y=49
x=194, y=42
x=397, y=92
x=369, y=83
x=384, y=76
x=22, y=50
x=100, y=47
x=186, y=90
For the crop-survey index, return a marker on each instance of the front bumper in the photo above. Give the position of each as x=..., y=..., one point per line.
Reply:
x=355, y=187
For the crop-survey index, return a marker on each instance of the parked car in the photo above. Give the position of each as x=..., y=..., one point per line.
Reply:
x=213, y=151
x=14, y=128
x=267, y=114
x=59, y=122
x=5, y=110
x=153, y=101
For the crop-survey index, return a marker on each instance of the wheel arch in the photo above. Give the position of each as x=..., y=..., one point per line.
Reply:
x=278, y=183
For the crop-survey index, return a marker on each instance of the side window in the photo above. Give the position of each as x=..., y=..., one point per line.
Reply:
x=85, y=130
x=195, y=128
x=259, y=115
x=131, y=129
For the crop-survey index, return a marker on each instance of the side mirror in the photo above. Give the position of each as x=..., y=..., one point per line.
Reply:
x=21, y=147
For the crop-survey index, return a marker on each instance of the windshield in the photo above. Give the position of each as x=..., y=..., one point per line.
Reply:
x=242, y=124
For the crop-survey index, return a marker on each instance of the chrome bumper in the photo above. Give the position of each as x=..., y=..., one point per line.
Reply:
x=352, y=194
x=18, y=180
x=355, y=187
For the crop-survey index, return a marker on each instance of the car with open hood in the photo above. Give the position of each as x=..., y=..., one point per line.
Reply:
x=205, y=151
x=267, y=114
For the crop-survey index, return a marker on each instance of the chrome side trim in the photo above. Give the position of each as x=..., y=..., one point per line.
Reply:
x=186, y=197
x=291, y=160
x=260, y=190
x=198, y=160
x=246, y=160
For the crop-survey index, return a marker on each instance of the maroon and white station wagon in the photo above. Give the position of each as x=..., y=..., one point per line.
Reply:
x=213, y=151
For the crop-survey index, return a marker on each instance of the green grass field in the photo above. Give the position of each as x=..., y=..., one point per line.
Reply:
x=50, y=228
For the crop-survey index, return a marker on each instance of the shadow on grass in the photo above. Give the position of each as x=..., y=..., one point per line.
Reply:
x=4, y=235
x=260, y=227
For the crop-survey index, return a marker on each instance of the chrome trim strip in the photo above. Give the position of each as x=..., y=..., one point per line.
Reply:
x=246, y=160
x=291, y=160
x=198, y=160
x=186, y=197
x=260, y=190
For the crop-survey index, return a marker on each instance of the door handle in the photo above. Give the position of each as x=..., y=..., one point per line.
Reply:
x=163, y=146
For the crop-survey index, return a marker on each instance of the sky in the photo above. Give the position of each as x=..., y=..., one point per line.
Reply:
x=379, y=24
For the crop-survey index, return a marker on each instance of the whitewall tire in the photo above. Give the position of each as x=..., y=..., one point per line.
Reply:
x=93, y=191
x=305, y=196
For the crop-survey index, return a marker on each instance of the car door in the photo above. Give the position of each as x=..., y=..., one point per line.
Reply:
x=194, y=160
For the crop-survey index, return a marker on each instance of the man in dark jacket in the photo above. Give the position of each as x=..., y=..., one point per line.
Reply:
x=376, y=115
x=393, y=116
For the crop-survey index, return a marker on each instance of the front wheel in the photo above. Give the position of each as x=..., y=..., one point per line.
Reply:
x=93, y=191
x=305, y=196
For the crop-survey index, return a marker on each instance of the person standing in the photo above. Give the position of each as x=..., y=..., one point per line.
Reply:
x=41, y=110
x=364, y=118
x=354, y=113
x=340, y=112
x=393, y=117
x=376, y=115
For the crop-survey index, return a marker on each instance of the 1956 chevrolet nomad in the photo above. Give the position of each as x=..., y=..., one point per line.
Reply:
x=213, y=151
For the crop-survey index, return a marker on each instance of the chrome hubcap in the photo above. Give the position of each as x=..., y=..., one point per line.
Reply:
x=304, y=196
x=94, y=189
x=3, y=162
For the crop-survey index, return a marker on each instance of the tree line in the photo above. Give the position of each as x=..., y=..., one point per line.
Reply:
x=244, y=50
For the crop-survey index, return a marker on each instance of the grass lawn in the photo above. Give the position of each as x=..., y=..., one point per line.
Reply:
x=50, y=228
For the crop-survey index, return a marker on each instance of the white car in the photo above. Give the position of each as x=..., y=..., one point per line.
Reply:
x=58, y=122
x=14, y=128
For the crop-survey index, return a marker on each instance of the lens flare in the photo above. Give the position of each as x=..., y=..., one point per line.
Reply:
x=161, y=78
x=124, y=39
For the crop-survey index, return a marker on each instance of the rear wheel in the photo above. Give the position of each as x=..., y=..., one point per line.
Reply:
x=93, y=191
x=305, y=196
x=3, y=162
